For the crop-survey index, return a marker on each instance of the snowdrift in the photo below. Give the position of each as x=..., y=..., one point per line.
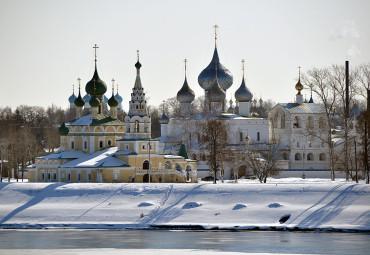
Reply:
x=296, y=206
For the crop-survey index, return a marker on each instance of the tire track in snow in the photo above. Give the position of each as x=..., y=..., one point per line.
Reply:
x=157, y=214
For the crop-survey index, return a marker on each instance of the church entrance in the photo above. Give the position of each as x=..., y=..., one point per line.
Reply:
x=146, y=178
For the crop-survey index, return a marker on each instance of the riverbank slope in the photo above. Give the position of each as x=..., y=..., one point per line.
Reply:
x=279, y=204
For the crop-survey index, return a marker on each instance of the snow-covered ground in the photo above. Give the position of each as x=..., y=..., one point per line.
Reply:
x=304, y=204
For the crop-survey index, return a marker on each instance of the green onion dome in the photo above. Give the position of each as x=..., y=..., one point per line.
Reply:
x=79, y=102
x=100, y=86
x=94, y=101
x=63, y=130
x=164, y=119
x=113, y=102
x=138, y=65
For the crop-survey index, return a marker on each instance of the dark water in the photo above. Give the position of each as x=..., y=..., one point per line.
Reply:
x=245, y=241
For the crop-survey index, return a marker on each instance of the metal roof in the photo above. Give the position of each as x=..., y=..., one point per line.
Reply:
x=303, y=108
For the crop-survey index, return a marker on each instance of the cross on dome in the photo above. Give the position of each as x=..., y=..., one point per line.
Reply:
x=215, y=26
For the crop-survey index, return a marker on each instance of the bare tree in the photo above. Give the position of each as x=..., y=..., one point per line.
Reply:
x=213, y=141
x=363, y=130
x=264, y=163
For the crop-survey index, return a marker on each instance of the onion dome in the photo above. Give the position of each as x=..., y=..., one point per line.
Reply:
x=100, y=86
x=299, y=86
x=113, y=102
x=94, y=101
x=63, y=130
x=72, y=98
x=87, y=98
x=230, y=109
x=105, y=99
x=164, y=119
x=242, y=94
x=261, y=101
x=216, y=93
x=138, y=64
x=79, y=102
x=185, y=94
x=207, y=76
x=255, y=101
x=118, y=97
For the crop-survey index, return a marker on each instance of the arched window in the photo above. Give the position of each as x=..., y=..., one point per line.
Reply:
x=178, y=167
x=188, y=173
x=321, y=123
x=310, y=122
x=285, y=156
x=168, y=165
x=146, y=164
x=275, y=121
x=310, y=157
x=322, y=157
x=298, y=156
x=282, y=121
x=296, y=122
x=109, y=142
x=136, y=126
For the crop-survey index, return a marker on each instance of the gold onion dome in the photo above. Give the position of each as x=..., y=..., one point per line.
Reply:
x=94, y=101
x=242, y=94
x=299, y=85
x=185, y=94
x=164, y=119
x=207, y=77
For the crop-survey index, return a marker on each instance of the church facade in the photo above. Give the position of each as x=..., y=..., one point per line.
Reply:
x=98, y=147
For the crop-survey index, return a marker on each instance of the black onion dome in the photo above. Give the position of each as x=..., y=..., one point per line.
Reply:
x=113, y=101
x=164, y=119
x=185, y=94
x=94, y=101
x=208, y=75
x=216, y=93
x=63, y=130
x=138, y=65
x=100, y=86
x=242, y=94
x=79, y=102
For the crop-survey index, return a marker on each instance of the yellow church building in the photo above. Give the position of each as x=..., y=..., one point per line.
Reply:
x=100, y=148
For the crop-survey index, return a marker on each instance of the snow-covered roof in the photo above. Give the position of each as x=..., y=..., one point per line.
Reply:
x=101, y=119
x=224, y=116
x=103, y=158
x=125, y=152
x=173, y=157
x=63, y=155
x=303, y=108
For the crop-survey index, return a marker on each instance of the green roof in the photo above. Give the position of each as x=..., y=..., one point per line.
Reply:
x=101, y=120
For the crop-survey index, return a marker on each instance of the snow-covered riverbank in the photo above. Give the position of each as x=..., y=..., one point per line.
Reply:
x=304, y=204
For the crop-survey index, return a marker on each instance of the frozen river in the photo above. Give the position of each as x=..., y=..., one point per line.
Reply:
x=222, y=241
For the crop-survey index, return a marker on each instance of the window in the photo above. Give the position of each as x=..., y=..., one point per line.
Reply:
x=298, y=145
x=310, y=124
x=321, y=123
x=322, y=157
x=296, y=122
x=258, y=136
x=78, y=177
x=109, y=142
x=146, y=164
x=54, y=177
x=310, y=157
x=298, y=156
x=178, y=167
x=126, y=146
x=89, y=177
x=42, y=176
x=49, y=177
x=85, y=145
x=116, y=175
x=282, y=121
x=143, y=147
x=72, y=145
x=241, y=136
x=275, y=121
x=136, y=126
x=137, y=107
x=100, y=144
x=68, y=177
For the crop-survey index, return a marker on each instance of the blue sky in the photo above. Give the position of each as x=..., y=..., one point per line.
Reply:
x=46, y=45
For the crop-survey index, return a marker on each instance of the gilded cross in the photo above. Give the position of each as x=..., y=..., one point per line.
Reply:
x=95, y=47
x=113, y=85
x=185, y=61
x=215, y=26
x=299, y=72
x=137, y=55
x=243, y=61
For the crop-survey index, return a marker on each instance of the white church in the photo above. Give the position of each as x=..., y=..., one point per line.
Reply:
x=287, y=125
